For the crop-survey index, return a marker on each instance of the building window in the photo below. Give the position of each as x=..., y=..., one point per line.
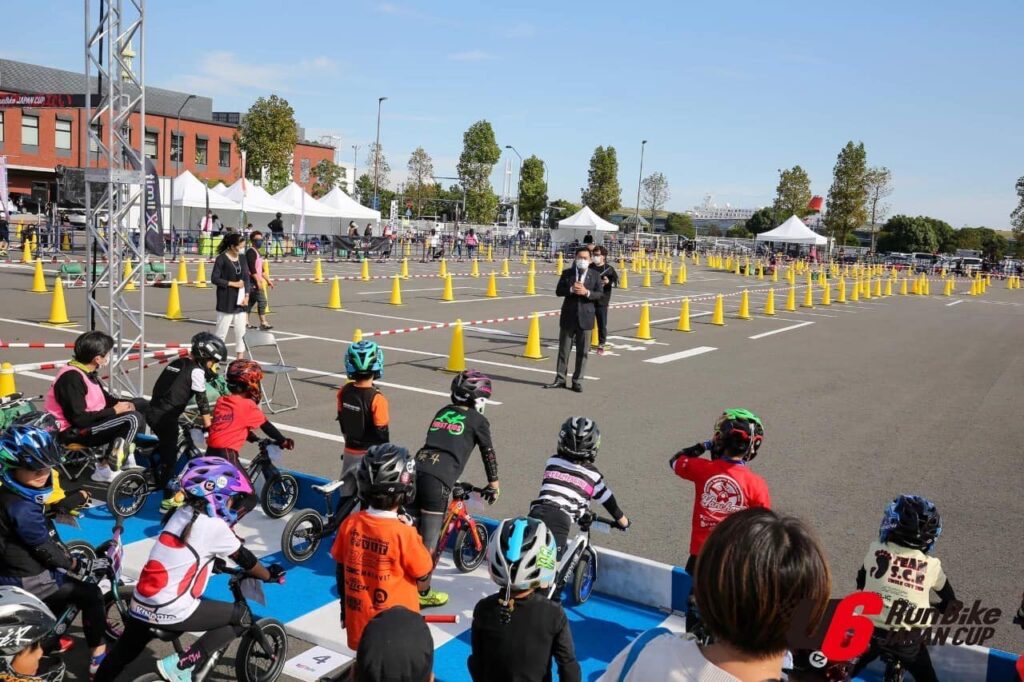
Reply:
x=97, y=130
x=152, y=145
x=30, y=130
x=62, y=134
x=201, y=145
x=177, y=145
x=225, y=155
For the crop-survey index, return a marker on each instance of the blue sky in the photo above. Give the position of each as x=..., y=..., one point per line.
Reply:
x=726, y=93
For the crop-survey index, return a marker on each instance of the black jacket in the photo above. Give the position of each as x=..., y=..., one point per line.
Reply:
x=223, y=272
x=608, y=271
x=578, y=311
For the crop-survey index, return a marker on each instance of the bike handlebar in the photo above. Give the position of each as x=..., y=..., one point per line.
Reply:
x=461, y=490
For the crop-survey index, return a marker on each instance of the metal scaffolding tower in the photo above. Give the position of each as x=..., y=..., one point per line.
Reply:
x=115, y=54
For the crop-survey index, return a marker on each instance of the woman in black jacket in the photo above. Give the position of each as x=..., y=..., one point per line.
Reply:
x=231, y=277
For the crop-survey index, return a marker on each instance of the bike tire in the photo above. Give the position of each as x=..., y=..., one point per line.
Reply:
x=279, y=495
x=250, y=657
x=116, y=611
x=81, y=548
x=302, y=536
x=465, y=554
x=127, y=493
x=583, y=579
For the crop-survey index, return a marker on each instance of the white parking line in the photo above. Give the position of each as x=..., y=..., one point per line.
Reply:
x=779, y=331
x=954, y=303
x=406, y=291
x=403, y=387
x=662, y=359
x=673, y=319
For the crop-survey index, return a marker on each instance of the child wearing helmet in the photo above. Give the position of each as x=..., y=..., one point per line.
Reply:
x=24, y=621
x=173, y=579
x=899, y=567
x=381, y=560
x=454, y=432
x=32, y=555
x=571, y=480
x=238, y=413
x=181, y=382
x=362, y=408
x=517, y=631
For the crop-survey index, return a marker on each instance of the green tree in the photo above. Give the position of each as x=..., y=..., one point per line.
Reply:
x=903, y=233
x=603, y=193
x=990, y=243
x=480, y=152
x=1017, y=217
x=847, y=197
x=533, y=191
x=968, y=239
x=714, y=231
x=420, y=185
x=680, y=223
x=364, y=188
x=383, y=170
x=945, y=235
x=655, y=193
x=268, y=135
x=328, y=176
x=738, y=231
x=879, y=186
x=793, y=193
x=763, y=220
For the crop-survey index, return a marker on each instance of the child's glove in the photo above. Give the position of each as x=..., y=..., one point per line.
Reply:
x=287, y=444
x=490, y=494
x=692, y=451
x=276, y=572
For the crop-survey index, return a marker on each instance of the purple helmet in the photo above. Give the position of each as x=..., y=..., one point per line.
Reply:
x=215, y=480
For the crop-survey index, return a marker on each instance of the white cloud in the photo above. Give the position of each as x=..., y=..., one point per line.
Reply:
x=471, y=56
x=221, y=73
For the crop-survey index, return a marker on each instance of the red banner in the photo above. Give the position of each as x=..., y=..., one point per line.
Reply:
x=51, y=101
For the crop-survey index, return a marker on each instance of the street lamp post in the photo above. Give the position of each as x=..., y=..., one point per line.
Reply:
x=355, y=169
x=519, y=183
x=376, y=156
x=639, y=181
x=177, y=167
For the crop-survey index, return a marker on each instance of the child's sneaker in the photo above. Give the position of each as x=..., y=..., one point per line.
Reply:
x=129, y=461
x=94, y=664
x=117, y=454
x=102, y=474
x=167, y=667
x=433, y=598
x=600, y=350
x=174, y=502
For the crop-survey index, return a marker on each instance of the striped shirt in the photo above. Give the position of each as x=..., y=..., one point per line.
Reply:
x=571, y=485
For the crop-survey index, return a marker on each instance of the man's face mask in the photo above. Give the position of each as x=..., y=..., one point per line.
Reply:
x=582, y=263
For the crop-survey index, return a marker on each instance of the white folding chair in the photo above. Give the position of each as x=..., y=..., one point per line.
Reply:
x=272, y=367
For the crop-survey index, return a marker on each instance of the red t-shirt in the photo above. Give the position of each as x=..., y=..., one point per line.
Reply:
x=722, y=488
x=233, y=417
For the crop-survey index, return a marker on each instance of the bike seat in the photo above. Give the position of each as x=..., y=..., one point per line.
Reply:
x=164, y=635
x=328, y=488
x=75, y=447
x=146, y=439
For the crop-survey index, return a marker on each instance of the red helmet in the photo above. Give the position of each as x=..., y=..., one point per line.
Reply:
x=244, y=377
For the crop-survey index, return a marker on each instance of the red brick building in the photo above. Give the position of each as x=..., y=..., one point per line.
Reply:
x=36, y=141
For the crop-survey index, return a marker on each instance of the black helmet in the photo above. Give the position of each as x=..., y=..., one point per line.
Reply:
x=911, y=521
x=207, y=346
x=470, y=387
x=738, y=433
x=24, y=620
x=386, y=469
x=579, y=438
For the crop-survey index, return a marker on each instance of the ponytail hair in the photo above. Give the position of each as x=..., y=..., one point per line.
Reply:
x=229, y=240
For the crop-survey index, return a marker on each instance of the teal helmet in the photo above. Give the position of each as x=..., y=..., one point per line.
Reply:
x=364, y=357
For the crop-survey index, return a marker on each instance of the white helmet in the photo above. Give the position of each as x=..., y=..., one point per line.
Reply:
x=24, y=620
x=522, y=554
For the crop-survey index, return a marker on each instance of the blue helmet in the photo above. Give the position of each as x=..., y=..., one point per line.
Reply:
x=28, y=447
x=911, y=521
x=363, y=357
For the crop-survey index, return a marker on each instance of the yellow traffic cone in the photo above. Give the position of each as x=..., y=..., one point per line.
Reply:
x=456, y=351
x=524, y=260
x=888, y=287
x=878, y=288
x=405, y=268
x=624, y=280
x=948, y=289
x=595, y=337
x=475, y=271
x=915, y=286
x=744, y=306
x=39, y=279
x=357, y=335
x=266, y=265
x=7, y=386
x=791, y=298
x=775, y=273
x=769, y=303
x=696, y=258
x=867, y=290
x=127, y=275
x=532, y=351
x=26, y=253
x=266, y=294
x=684, y=317
x=408, y=250
x=808, y=297
x=560, y=263
x=841, y=298
x=174, y=303
x=448, y=294
x=718, y=316
x=643, y=331
x=201, y=275
x=647, y=279
x=736, y=267
x=65, y=242
x=667, y=278
x=927, y=286
x=531, y=289
x=318, y=271
x=504, y=267
x=681, y=273
x=334, y=298
x=182, y=278
x=855, y=291
x=826, y=294
x=442, y=268
x=903, y=287
x=533, y=266
x=396, y=291
x=492, y=286
x=365, y=274
x=490, y=253
x=746, y=270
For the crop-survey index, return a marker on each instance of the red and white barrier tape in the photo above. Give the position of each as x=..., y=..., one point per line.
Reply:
x=44, y=366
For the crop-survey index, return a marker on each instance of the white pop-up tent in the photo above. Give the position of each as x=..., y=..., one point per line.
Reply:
x=219, y=188
x=190, y=192
x=793, y=231
x=585, y=220
x=348, y=207
x=301, y=202
x=255, y=199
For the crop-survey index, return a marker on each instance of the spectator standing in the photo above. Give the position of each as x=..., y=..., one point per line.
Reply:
x=581, y=289
x=5, y=235
x=457, y=246
x=258, y=296
x=276, y=228
x=234, y=285
x=609, y=280
x=368, y=232
x=588, y=238
x=471, y=244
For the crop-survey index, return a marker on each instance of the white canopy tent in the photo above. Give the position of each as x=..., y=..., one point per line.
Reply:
x=793, y=231
x=255, y=199
x=219, y=188
x=585, y=220
x=317, y=215
x=348, y=207
x=190, y=192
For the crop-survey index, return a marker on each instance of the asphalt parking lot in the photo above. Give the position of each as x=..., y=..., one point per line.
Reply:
x=862, y=401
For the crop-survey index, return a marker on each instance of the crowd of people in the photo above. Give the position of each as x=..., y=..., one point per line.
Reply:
x=753, y=570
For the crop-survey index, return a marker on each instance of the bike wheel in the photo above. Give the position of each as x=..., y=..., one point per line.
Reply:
x=127, y=493
x=115, y=609
x=467, y=557
x=252, y=662
x=279, y=495
x=81, y=548
x=302, y=535
x=583, y=579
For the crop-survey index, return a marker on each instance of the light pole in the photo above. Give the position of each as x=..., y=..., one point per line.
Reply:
x=355, y=169
x=177, y=163
x=639, y=181
x=519, y=182
x=376, y=156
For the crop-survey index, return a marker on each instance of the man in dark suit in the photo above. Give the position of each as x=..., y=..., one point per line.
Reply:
x=581, y=288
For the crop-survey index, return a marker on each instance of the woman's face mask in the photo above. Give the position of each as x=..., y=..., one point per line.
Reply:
x=257, y=243
x=598, y=259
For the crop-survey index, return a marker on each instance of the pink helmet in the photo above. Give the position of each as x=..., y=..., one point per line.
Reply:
x=215, y=481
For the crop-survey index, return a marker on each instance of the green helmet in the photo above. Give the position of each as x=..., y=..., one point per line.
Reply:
x=738, y=433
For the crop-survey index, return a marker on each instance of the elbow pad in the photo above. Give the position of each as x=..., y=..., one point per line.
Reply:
x=202, y=403
x=244, y=558
x=490, y=464
x=52, y=555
